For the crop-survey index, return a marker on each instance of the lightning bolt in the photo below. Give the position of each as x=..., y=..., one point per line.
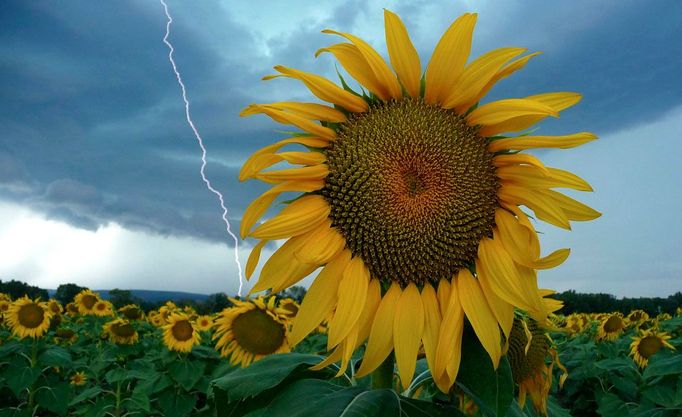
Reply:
x=201, y=145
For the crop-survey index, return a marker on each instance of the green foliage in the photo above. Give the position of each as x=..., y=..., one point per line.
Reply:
x=17, y=289
x=604, y=303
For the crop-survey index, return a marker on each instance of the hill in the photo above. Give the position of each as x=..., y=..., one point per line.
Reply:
x=154, y=296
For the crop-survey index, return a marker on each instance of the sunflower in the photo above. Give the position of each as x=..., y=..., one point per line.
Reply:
x=28, y=318
x=411, y=201
x=4, y=306
x=251, y=330
x=529, y=349
x=78, y=378
x=290, y=306
x=85, y=301
x=131, y=312
x=204, y=323
x=121, y=332
x=180, y=334
x=611, y=327
x=647, y=344
x=156, y=318
x=637, y=316
x=72, y=309
x=103, y=309
x=65, y=336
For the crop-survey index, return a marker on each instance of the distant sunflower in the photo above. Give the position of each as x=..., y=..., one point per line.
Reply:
x=251, y=330
x=103, y=309
x=529, y=350
x=289, y=306
x=156, y=318
x=131, y=312
x=204, y=323
x=79, y=378
x=647, y=344
x=411, y=201
x=637, y=316
x=180, y=334
x=121, y=332
x=65, y=336
x=28, y=318
x=72, y=309
x=5, y=297
x=4, y=306
x=85, y=301
x=611, y=327
x=55, y=307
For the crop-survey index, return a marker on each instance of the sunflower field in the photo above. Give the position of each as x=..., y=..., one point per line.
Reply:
x=89, y=359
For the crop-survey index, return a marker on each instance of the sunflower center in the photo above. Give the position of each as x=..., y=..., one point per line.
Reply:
x=257, y=332
x=31, y=315
x=88, y=301
x=613, y=324
x=182, y=330
x=412, y=189
x=122, y=330
x=525, y=364
x=648, y=346
x=132, y=313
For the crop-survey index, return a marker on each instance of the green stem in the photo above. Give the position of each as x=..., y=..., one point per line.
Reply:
x=34, y=362
x=382, y=377
x=118, y=399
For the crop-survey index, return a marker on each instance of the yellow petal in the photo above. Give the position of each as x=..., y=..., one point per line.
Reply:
x=544, y=208
x=347, y=348
x=316, y=172
x=334, y=357
x=267, y=160
x=408, y=327
x=280, y=261
x=533, y=142
x=371, y=306
x=506, y=72
x=519, y=159
x=326, y=244
x=479, y=314
x=502, y=310
x=530, y=176
x=448, y=59
x=403, y=55
x=513, y=124
x=324, y=89
x=558, y=101
x=309, y=111
x=298, y=217
x=356, y=65
x=476, y=76
x=287, y=118
x=432, y=319
x=260, y=205
x=251, y=166
x=380, y=341
x=381, y=71
x=352, y=296
x=503, y=110
x=443, y=295
x=320, y=299
x=252, y=262
x=449, y=349
x=574, y=209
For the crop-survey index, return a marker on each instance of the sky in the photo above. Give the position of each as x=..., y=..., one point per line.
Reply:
x=99, y=170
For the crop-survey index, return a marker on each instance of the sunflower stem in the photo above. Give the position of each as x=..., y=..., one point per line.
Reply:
x=34, y=362
x=382, y=377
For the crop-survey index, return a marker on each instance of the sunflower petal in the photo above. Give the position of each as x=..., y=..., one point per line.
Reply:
x=544, y=208
x=476, y=76
x=315, y=172
x=251, y=166
x=287, y=118
x=352, y=296
x=298, y=217
x=479, y=314
x=324, y=89
x=502, y=310
x=325, y=246
x=432, y=320
x=381, y=71
x=519, y=159
x=506, y=72
x=320, y=299
x=356, y=65
x=558, y=101
x=260, y=205
x=403, y=55
x=408, y=328
x=530, y=176
x=443, y=295
x=254, y=256
x=449, y=349
x=534, y=142
x=309, y=111
x=380, y=341
x=276, y=268
x=448, y=59
x=574, y=209
x=501, y=111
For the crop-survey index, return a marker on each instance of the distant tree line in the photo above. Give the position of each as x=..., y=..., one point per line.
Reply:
x=575, y=302
x=17, y=289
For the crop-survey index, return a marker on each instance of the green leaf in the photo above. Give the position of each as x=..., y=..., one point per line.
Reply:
x=20, y=377
x=663, y=363
x=139, y=401
x=612, y=406
x=10, y=348
x=176, y=405
x=663, y=393
x=54, y=398
x=55, y=356
x=311, y=397
x=616, y=364
x=187, y=372
x=115, y=375
x=555, y=410
x=87, y=394
x=264, y=374
x=492, y=390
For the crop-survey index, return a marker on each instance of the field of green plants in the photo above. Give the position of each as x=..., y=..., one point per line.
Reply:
x=62, y=361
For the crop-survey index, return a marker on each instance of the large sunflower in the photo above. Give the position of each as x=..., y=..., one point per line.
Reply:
x=251, y=330
x=121, y=332
x=611, y=327
x=647, y=344
x=411, y=201
x=28, y=318
x=85, y=301
x=180, y=334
